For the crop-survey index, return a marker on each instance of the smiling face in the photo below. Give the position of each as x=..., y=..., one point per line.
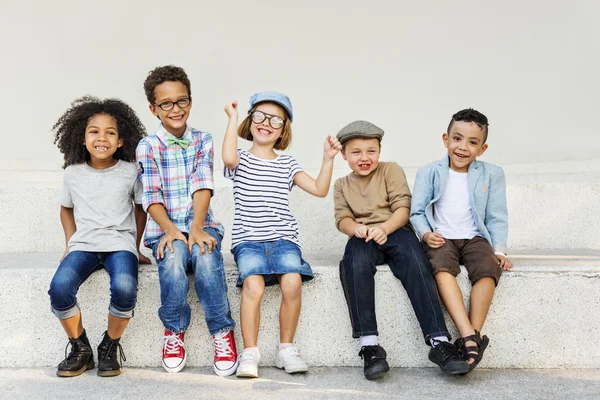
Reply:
x=362, y=155
x=464, y=142
x=102, y=140
x=263, y=133
x=174, y=120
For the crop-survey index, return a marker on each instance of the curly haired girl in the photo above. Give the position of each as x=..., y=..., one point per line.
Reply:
x=102, y=226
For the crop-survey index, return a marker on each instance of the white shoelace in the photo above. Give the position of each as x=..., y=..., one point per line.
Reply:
x=172, y=344
x=292, y=351
x=222, y=345
x=247, y=356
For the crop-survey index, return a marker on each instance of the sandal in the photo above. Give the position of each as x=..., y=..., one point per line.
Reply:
x=474, y=353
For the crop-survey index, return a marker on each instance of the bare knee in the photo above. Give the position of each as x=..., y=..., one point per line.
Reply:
x=253, y=288
x=291, y=289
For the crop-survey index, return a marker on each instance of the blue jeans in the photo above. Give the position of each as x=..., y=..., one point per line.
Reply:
x=122, y=267
x=403, y=253
x=209, y=280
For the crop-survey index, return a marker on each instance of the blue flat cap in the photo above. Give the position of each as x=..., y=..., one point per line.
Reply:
x=273, y=97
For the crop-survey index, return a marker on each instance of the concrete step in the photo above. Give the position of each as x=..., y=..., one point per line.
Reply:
x=541, y=216
x=540, y=314
x=319, y=383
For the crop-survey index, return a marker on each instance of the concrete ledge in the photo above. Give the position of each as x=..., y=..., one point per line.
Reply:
x=541, y=216
x=539, y=310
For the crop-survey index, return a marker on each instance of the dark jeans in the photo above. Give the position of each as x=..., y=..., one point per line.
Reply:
x=403, y=253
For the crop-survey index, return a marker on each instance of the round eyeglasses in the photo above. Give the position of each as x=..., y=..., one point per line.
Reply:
x=168, y=105
x=275, y=121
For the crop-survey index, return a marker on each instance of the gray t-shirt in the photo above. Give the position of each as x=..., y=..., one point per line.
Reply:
x=102, y=200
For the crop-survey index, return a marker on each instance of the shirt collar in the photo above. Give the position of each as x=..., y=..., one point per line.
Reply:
x=163, y=134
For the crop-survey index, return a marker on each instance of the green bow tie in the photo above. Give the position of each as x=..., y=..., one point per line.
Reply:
x=184, y=143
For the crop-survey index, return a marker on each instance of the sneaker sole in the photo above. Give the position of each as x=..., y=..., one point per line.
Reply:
x=377, y=374
x=176, y=369
x=106, y=374
x=69, y=374
x=226, y=372
x=293, y=370
x=247, y=374
x=452, y=368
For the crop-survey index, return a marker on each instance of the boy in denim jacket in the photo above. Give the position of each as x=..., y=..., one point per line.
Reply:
x=459, y=210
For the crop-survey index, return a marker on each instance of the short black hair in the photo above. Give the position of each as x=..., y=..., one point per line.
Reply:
x=471, y=115
x=167, y=73
x=70, y=128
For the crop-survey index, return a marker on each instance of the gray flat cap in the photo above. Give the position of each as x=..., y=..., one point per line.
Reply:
x=359, y=129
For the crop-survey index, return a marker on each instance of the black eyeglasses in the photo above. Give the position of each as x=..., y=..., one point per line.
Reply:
x=168, y=105
x=276, y=122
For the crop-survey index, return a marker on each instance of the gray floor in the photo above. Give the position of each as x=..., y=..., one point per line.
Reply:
x=319, y=383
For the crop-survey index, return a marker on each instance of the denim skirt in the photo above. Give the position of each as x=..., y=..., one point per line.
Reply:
x=270, y=259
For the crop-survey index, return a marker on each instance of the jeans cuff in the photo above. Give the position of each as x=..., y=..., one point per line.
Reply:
x=226, y=329
x=356, y=334
x=68, y=313
x=120, y=313
x=436, y=334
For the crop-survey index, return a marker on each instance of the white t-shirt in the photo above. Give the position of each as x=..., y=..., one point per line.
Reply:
x=261, y=194
x=452, y=212
x=102, y=202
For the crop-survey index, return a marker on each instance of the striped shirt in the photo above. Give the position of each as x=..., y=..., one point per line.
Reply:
x=261, y=194
x=170, y=175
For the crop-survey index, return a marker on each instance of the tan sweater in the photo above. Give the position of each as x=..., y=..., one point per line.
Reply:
x=371, y=200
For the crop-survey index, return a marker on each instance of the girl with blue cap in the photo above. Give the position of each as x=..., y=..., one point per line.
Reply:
x=265, y=234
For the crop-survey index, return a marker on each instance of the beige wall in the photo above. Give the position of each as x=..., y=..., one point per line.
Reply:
x=531, y=66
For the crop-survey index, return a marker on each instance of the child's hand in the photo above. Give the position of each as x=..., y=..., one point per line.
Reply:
x=434, y=240
x=504, y=262
x=378, y=234
x=199, y=237
x=142, y=259
x=167, y=240
x=332, y=147
x=64, y=255
x=361, y=231
x=231, y=109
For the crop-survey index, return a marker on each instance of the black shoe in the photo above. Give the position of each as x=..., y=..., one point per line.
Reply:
x=108, y=362
x=79, y=359
x=375, y=365
x=448, y=358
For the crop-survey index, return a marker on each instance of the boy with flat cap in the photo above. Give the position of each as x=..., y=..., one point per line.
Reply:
x=372, y=207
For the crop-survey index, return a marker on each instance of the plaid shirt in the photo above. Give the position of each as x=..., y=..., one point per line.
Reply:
x=170, y=175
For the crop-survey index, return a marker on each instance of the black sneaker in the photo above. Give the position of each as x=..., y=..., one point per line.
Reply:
x=375, y=365
x=447, y=357
x=79, y=359
x=108, y=362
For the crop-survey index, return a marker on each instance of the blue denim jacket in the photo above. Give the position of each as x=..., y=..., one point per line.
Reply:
x=487, y=196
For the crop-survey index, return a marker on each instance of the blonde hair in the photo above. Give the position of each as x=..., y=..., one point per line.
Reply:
x=284, y=140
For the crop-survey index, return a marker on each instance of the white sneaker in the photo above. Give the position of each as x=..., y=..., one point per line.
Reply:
x=173, y=354
x=248, y=366
x=289, y=359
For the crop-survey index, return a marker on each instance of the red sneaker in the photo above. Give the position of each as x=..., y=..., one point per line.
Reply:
x=173, y=356
x=226, y=361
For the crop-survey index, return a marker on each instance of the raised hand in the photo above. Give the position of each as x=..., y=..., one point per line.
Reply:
x=331, y=147
x=231, y=109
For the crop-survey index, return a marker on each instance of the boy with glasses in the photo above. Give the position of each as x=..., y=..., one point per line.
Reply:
x=176, y=168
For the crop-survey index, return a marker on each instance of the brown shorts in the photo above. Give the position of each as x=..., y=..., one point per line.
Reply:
x=476, y=254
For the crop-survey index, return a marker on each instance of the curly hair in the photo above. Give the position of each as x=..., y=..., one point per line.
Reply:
x=70, y=128
x=284, y=140
x=167, y=73
x=471, y=115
